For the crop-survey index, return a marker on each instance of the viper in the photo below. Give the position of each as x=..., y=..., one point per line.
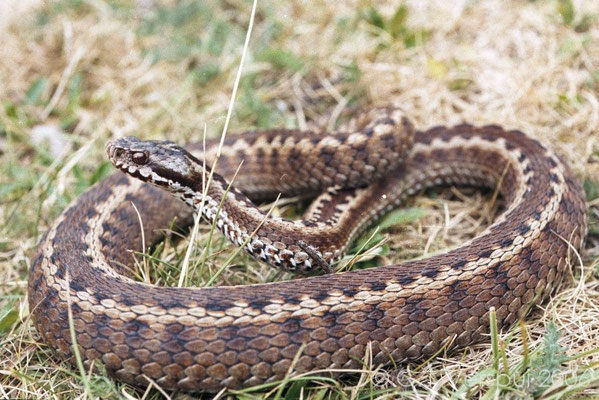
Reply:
x=204, y=339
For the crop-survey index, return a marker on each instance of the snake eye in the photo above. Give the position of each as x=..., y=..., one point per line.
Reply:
x=140, y=158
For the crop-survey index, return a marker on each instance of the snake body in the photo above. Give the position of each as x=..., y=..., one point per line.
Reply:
x=204, y=339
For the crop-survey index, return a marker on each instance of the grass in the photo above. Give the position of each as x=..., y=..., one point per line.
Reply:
x=77, y=72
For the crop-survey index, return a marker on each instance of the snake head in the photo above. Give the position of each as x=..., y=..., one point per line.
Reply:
x=161, y=163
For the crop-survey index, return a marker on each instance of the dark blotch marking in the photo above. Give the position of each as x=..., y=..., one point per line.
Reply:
x=489, y=138
x=320, y=296
x=76, y=286
x=385, y=121
x=430, y=273
x=459, y=265
x=419, y=158
x=445, y=138
x=486, y=253
x=274, y=156
x=507, y=242
x=425, y=137
x=127, y=301
x=292, y=300
x=256, y=304
x=133, y=326
x=100, y=295
x=106, y=227
x=60, y=271
x=123, y=215
x=378, y=285
x=38, y=259
x=437, y=154
x=106, y=242
x=241, y=154
x=359, y=146
x=251, y=137
x=350, y=292
x=291, y=325
x=406, y=280
x=90, y=213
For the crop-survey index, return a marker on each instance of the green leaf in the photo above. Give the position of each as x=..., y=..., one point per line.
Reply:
x=103, y=170
x=252, y=108
x=412, y=38
x=218, y=39
x=8, y=320
x=591, y=188
x=401, y=217
x=594, y=225
x=585, y=23
x=367, y=241
x=477, y=380
x=74, y=89
x=370, y=239
x=459, y=84
x=21, y=179
x=565, y=8
x=436, y=69
x=397, y=25
x=375, y=18
x=546, y=364
x=352, y=71
x=295, y=390
x=282, y=59
x=83, y=180
x=78, y=173
x=35, y=91
x=8, y=188
x=205, y=73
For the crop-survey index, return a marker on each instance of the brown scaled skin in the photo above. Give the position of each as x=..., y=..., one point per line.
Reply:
x=205, y=339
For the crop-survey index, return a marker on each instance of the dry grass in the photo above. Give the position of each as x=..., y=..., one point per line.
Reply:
x=76, y=72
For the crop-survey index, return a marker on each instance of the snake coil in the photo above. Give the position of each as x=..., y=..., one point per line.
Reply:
x=204, y=339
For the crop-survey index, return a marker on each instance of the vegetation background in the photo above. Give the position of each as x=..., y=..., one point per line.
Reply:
x=75, y=73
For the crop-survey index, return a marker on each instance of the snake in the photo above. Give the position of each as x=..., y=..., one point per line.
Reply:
x=85, y=301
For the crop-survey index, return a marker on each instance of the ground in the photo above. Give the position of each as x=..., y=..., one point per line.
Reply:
x=75, y=73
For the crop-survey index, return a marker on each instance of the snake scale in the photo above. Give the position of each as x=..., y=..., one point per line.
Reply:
x=204, y=339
